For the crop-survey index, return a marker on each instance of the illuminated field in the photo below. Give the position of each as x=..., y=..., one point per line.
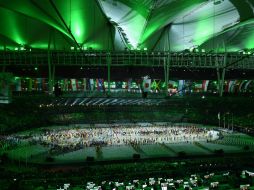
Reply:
x=79, y=143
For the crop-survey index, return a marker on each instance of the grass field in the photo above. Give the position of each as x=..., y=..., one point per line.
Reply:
x=230, y=143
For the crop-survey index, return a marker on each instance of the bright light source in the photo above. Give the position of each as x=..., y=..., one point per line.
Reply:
x=203, y=97
x=72, y=48
x=77, y=31
x=145, y=49
x=35, y=68
x=16, y=49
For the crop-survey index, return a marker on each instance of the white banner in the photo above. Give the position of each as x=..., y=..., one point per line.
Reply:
x=147, y=85
x=73, y=85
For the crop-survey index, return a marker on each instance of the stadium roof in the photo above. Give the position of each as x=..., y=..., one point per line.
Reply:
x=127, y=24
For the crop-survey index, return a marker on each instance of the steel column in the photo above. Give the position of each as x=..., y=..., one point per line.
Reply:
x=221, y=75
x=50, y=84
x=53, y=74
x=166, y=72
x=4, y=66
x=221, y=80
x=108, y=67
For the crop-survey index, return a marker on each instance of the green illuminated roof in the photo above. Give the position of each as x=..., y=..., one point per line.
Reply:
x=119, y=24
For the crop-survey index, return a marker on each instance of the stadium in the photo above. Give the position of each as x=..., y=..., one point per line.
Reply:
x=126, y=94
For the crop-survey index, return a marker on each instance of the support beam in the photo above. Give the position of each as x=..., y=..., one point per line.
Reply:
x=4, y=66
x=165, y=69
x=218, y=79
x=166, y=73
x=222, y=82
x=53, y=74
x=50, y=82
x=168, y=57
x=108, y=66
x=221, y=75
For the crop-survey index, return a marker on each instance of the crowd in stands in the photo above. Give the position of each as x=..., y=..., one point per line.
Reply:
x=207, y=171
x=194, y=181
x=148, y=184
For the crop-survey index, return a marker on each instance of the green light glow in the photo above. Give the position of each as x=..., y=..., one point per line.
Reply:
x=149, y=31
x=78, y=31
x=248, y=42
x=39, y=45
x=140, y=22
x=87, y=23
x=12, y=22
x=94, y=46
x=28, y=9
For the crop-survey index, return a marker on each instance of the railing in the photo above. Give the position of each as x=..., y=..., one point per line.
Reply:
x=127, y=58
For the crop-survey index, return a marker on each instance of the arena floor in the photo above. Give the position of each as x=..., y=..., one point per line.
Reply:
x=26, y=152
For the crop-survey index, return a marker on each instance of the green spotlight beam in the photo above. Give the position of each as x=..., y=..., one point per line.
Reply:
x=31, y=13
x=60, y=16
